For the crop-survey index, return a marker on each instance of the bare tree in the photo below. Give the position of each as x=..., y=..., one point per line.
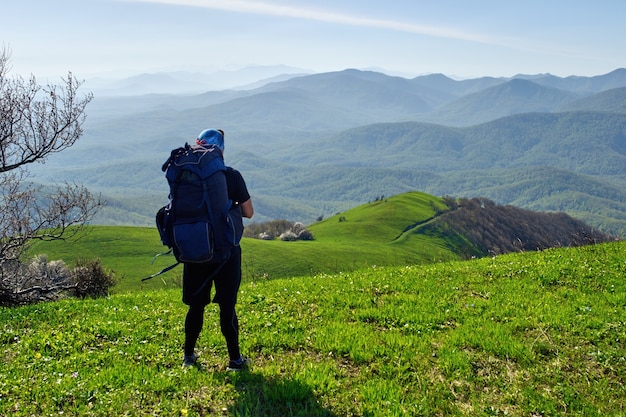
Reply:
x=35, y=122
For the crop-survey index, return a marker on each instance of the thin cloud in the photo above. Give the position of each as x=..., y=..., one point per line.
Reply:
x=254, y=7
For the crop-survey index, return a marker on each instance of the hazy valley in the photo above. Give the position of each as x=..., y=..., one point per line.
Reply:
x=314, y=145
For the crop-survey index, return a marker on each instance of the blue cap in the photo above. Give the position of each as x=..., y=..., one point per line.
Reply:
x=211, y=137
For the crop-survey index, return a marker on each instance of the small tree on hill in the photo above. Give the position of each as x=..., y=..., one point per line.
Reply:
x=35, y=122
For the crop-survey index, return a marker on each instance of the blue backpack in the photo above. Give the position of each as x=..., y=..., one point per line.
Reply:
x=198, y=224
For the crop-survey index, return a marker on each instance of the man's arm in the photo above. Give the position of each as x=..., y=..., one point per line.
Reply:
x=246, y=208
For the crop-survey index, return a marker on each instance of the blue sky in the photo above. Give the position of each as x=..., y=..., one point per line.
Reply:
x=459, y=38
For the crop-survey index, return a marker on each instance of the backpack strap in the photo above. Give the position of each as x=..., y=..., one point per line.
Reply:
x=162, y=271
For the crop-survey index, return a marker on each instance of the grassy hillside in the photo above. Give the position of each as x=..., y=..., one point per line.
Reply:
x=406, y=229
x=517, y=335
x=366, y=236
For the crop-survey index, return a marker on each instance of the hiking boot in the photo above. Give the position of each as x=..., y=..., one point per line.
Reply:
x=189, y=361
x=242, y=364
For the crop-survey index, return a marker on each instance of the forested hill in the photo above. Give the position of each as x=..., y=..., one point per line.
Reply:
x=584, y=142
x=496, y=229
x=314, y=145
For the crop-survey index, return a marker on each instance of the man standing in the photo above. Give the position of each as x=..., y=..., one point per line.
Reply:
x=198, y=278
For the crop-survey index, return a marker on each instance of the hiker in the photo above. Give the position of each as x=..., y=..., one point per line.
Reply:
x=197, y=292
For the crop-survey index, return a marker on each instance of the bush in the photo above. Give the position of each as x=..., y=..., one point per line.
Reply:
x=42, y=272
x=288, y=236
x=43, y=280
x=37, y=281
x=91, y=280
x=268, y=230
x=306, y=234
x=285, y=230
x=297, y=232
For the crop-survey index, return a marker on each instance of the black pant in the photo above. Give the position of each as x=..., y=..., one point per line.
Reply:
x=198, y=280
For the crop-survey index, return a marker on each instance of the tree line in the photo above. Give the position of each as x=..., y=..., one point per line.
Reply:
x=495, y=229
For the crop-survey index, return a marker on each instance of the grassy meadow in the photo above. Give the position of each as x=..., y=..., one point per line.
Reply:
x=369, y=319
x=532, y=334
x=367, y=235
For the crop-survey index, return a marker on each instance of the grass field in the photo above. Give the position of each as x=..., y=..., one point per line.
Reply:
x=534, y=334
x=368, y=235
x=366, y=320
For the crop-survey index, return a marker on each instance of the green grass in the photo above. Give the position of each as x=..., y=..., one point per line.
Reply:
x=520, y=335
x=128, y=251
x=371, y=234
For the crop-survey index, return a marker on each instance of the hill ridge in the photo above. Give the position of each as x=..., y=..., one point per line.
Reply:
x=303, y=165
x=357, y=238
x=475, y=226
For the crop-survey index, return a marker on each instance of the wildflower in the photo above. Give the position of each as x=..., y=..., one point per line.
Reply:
x=184, y=412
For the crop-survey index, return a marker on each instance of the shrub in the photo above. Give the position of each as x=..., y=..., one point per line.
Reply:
x=43, y=280
x=288, y=236
x=297, y=232
x=268, y=230
x=42, y=272
x=91, y=279
x=284, y=229
x=306, y=234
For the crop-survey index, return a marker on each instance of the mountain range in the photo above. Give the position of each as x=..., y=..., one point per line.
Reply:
x=313, y=145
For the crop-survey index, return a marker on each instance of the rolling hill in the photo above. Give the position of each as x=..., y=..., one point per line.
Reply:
x=511, y=97
x=613, y=100
x=583, y=142
x=407, y=229
x=317, y=144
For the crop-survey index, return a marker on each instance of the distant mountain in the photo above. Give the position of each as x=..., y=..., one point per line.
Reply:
x=584, y=142
x=361, y=91
x=354, y=98
x=186, y=82
x=581, y=85
x=316, y=144
x=613, y=100
x=439, y=89
x=505, y=99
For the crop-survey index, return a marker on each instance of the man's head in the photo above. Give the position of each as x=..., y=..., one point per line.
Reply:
x=211, y=137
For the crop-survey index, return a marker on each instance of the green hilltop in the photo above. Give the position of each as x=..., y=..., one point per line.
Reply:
x=371, y=234
x=413, y=228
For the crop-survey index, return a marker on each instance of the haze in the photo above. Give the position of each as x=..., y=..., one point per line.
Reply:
x=402, y=37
